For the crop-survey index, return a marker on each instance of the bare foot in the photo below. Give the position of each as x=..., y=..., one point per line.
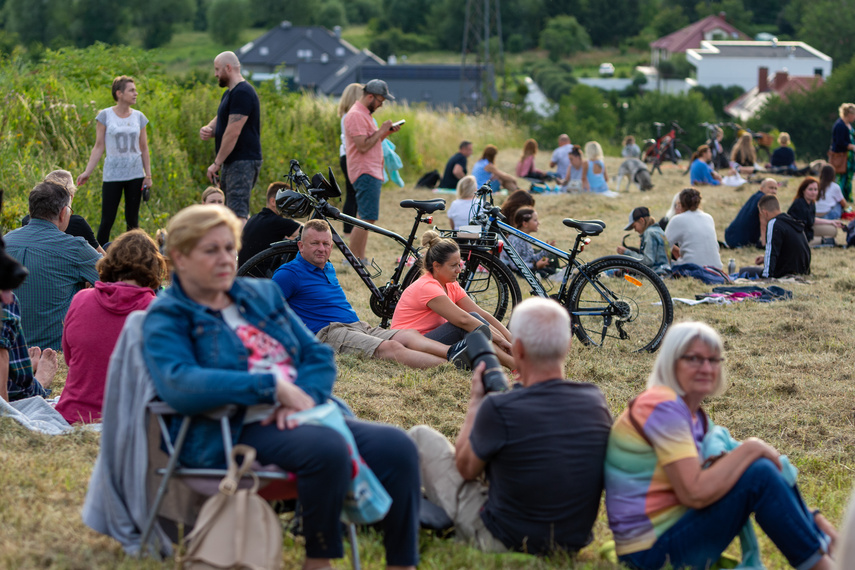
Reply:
x=34, y=352
x=825, y=526
x=46, y=369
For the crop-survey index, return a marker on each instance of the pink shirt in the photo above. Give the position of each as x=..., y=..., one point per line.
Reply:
x=358, y=122
x=412, y=311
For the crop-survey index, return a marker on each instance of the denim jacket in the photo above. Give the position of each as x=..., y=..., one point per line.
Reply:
x=197, y=363
x=654, y=250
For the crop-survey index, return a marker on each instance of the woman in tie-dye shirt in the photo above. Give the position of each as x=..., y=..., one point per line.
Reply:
x=664, y=507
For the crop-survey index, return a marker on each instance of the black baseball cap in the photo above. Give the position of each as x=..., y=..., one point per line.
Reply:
x=379, y=87
x=636, y=215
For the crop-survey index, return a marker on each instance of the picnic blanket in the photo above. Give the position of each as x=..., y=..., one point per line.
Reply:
x=35, y=414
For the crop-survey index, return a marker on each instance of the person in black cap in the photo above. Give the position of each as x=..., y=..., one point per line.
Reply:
x=365, y=157
x=654, y=250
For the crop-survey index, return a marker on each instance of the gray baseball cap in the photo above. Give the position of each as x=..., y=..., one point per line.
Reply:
x=379, y=87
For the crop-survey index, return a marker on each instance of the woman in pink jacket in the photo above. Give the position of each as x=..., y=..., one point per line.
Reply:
x=130, y=273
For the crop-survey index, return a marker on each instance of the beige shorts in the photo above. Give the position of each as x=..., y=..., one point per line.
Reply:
x=354, y=338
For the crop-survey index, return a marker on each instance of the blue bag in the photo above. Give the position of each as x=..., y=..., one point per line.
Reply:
x=366, y=500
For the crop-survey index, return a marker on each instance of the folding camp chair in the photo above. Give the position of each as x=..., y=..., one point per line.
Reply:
x=276, y=484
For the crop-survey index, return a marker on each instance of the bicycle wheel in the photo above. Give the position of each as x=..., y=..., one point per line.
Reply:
x=621, y=300
x=265, y=264
x=489, y=282
x=685, y=153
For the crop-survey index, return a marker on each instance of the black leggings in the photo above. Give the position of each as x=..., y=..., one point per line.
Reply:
x=349, y=206
x=111, y=195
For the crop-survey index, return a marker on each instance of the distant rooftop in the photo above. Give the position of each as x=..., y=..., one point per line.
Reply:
x=692, y=35
x=749, y=49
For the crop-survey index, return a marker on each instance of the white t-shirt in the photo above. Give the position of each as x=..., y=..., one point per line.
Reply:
x=694, y=232
x=458, y=212
x=833, y=196
x=561, y=158
x=342, y=150
x=122, y=140
x=266, y=355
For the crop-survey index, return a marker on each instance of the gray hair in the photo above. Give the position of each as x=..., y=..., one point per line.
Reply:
x=543, y=328
x=47, y=200
x=675, y=344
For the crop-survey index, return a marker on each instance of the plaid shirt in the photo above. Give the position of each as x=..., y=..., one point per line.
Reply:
x=59, y=266
x=21, y=382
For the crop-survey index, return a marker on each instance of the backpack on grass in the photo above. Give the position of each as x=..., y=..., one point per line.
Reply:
x=429, y=180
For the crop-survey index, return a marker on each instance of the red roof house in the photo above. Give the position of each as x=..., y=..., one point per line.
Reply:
x=690, y=37
x=781, y=84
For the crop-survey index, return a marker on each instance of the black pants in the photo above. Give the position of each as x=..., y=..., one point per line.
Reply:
x=349, y=207
x=111, y=195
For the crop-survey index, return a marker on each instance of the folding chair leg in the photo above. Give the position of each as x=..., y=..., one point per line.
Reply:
x=161, y=490
x=354, y=548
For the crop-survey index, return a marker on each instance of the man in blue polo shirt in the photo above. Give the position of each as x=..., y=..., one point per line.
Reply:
x=311, y=288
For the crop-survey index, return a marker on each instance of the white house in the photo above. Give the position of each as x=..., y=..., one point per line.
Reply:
x=737, y=62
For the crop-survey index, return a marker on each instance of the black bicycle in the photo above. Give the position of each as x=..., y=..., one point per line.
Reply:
x=483, y=277
x=612, y=297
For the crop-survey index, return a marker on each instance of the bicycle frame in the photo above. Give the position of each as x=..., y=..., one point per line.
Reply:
x=503, y=229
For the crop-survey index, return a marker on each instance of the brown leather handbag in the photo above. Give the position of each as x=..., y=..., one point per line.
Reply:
x=838, y=160
x=236, y=528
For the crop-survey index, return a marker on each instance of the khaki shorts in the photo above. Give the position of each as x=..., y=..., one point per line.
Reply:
x=354, y=338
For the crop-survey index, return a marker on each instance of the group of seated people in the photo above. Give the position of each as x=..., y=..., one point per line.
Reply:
x=547, y=448
x=212, y=339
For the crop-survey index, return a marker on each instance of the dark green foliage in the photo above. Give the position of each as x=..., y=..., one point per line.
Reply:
x=269, y=13
x=98, y=21
x=515, y=44
x=688, y=110
x=157, y=19
x=827, y=25
x=675, y=68
x=554, y=80
x=45, y=22
x=610, y=22
x=407, y=15
x=394, y=41
x=361, y=11
x=200, y=19
x=563, y=36
x=737, y=14
x=718, y=97
x=227, y=18
x=331, y=13
x=584, y=114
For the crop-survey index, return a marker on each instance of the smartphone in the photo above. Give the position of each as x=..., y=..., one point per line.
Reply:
x=399, y=123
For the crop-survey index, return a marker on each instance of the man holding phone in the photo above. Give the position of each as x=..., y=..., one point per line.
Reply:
x=363, y=144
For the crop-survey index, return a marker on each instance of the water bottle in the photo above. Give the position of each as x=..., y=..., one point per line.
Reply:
x=731, y=266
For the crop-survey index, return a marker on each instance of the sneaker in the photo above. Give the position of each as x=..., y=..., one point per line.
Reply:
x=457, y=355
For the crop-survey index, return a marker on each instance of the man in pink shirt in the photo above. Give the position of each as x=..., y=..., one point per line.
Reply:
x=363, y=144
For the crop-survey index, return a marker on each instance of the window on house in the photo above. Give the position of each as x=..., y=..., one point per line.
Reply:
x=817, y=71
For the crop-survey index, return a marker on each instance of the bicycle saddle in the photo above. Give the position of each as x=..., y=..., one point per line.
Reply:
x=587, y=227
x=426, y=206
x=658, y=124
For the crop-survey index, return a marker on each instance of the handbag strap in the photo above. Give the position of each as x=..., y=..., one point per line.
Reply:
x=236, y=470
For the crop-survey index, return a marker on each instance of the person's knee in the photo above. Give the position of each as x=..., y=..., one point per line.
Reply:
x=762, y=469
x=479, y=317
x=390, y=350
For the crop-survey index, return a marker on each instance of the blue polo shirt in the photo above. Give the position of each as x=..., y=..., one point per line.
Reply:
x=314, y=294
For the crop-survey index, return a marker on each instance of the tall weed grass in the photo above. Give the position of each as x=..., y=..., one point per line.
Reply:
x=49, y=122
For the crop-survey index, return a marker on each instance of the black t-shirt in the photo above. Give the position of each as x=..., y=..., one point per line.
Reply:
x=241, y=100
x=449, y=180
x=544, y=446
x=805, y=213
x=783, y=156
x=263, y=229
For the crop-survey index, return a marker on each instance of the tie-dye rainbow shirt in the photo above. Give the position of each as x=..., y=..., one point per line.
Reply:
x=640, y=501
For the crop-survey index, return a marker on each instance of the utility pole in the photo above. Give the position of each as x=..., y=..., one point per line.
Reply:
x=479, y=66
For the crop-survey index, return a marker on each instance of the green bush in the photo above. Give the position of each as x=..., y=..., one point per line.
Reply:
x=227, y=18
x=688, y=110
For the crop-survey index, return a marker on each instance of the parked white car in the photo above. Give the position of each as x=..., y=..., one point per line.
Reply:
x=607, y=69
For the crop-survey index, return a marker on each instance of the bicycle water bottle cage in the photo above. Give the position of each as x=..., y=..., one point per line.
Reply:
x=587, y=227
x=425, y=206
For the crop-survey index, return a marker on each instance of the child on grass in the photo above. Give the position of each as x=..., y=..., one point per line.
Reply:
x=654, y=248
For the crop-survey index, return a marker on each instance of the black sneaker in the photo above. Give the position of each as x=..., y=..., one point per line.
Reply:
x=457, y=355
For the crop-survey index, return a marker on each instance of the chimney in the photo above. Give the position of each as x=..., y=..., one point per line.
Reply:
x=781, y=78
x=762, y=79
x=337, y=32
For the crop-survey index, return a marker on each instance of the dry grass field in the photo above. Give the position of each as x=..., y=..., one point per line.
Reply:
x=789, y=370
